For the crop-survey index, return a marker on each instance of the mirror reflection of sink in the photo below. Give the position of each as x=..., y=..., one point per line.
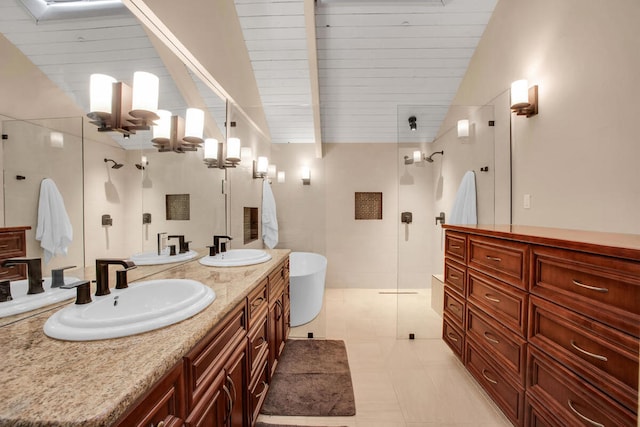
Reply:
x=236, y=258
x=143, y=306
x=21, y=302
x=152, y=258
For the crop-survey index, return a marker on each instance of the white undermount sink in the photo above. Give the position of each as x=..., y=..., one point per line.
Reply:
x=236, y=258
x=21, y=302
x=143, y=306
x=152, y=258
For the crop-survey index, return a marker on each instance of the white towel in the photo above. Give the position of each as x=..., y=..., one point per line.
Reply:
x=54, y=229
x=464, y=207
x=269, y=220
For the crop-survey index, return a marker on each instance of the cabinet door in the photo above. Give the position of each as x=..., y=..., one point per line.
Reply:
x=213, y=406
x=236, y=388
x=277, y=327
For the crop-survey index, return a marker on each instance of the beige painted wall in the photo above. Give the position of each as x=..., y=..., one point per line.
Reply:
x=578, y=158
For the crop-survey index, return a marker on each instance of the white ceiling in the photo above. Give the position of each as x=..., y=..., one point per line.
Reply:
x=378, y=61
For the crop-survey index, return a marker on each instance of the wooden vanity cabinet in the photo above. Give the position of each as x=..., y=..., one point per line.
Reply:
x=13, y=244
x=551, y=328
x=278, y=313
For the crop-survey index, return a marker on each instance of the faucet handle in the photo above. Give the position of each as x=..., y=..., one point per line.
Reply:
x=5, y=291
x=121, y=277
x=83, y=291
x=57, y=276
x=212, y=250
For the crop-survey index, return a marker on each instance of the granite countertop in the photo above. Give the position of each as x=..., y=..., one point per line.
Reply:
x=51, y=382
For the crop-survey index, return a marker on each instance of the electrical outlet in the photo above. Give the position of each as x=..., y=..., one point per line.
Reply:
x=526, y=203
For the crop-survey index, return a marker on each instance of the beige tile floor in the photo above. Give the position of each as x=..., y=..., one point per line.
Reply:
x=397, y=382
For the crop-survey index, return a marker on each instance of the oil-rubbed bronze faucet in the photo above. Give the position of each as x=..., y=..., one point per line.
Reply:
x=183, y=246
x=34, y=272
x=102, y=273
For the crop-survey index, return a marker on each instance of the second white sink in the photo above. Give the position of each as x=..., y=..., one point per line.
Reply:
x=236, y=258
x=142, y=307
x=21, y=302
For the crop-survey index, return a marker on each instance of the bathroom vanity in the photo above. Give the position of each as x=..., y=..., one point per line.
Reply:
x=209, y=370
x=547, y=321
x=13, y=244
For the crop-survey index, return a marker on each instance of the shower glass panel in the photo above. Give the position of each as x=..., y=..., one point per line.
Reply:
x=428, y=182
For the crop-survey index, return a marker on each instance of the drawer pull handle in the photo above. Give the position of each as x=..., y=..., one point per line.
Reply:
x=263, y=392
x=490, y=298
x=588, y=353
x=589, y=420
x=486, y=377
x=257, y=302
x=591, y=288
x=488, y=337
x=4, y=273
x=456, y=247
x=4, y=246
x=452, y=337
x=494, y=258
x=454, y=308
x=455, y=277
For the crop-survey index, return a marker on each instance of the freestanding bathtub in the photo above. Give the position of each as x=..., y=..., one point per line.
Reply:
x=307, y=274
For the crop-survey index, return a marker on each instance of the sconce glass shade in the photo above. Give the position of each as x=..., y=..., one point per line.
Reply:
x=144, y=161
x=305, y=172
x=519, y=94
x=233, y=149
x=100, y=94
x=271, y=171
x=281, y=177
x=263, y=165
x=210, y=149
x=162, y=128
x=194, y=125
x=463, y=128
x=56, y=139
x=144, y=99
x=417, y=156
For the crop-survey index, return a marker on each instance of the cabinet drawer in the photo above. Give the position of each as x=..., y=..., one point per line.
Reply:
x=454, y=276
x=453, y=336
x=455, y=246
x=257, y=302
x=507, y=394
x=537, y=415
x=258, y=391
x=454, y=307
x=13, y=244
x=506, y=347
x=602, y=355
x=276, y=282
x=503, y=259
x=205, y=360
x=500, y=301
x=258, y=343
x=14, y=272
x=570, y=398
x=603, y=288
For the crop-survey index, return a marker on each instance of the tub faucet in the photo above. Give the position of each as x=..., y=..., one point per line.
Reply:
x=102, y=273
x=182, y=245
x=34, y=272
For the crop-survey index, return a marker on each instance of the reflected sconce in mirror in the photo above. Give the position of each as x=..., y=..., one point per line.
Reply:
x=143, y=163
x=412, y=123
x=56, y=139
x=415, y=158
x=306, y=175
x=524, y=99
x=213, y=153
x=173, y=133
x=281, y=177
x=463, y=128
x=272, y=171
x=118, y=107
x=260, y=167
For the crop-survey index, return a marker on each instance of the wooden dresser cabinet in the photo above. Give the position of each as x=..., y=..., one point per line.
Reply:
x=13, y=244
x=547, y=321
x=223, y=380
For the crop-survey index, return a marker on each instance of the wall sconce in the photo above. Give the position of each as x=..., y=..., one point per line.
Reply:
x=260, y=167
x=213, y=153
x=173, y=133
x=281, y=177
x=415, y=158
x=116, y=106
x=56, y=139
x=272, y=171
x=524, y=99
x=463, y=128
x=143, y=163
x=412, y=123
x=306, y=175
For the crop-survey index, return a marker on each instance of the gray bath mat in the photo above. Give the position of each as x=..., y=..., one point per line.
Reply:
x=312, y=379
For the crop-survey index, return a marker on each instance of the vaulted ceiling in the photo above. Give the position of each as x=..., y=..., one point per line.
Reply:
x=343, y=71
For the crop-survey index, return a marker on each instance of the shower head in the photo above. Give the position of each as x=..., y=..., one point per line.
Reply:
x=430, y=158
x=116, y=165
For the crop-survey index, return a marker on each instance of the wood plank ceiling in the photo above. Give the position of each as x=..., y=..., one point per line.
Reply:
x=379, y=61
